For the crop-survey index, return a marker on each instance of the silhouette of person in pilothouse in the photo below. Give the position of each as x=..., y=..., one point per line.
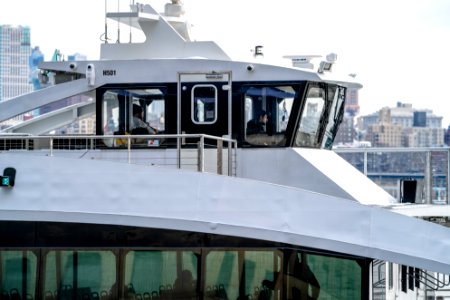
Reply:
x=138, y=126
x=258, y=124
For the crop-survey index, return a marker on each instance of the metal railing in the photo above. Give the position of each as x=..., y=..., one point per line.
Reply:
x=388, y=167
x=378, y=280
x=200, y=152
x=432, y=281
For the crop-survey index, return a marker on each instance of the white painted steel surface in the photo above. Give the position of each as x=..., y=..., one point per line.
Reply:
x=74, y=190
x=322, y=171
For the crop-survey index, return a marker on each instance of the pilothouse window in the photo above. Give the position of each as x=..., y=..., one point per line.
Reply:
x=110, y=114
x=155, y=114
x=335, y=100
x=267, y=113
x=133, y=111
x=308, y=131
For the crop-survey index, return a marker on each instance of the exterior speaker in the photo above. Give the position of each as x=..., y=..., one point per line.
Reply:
x=408, y=190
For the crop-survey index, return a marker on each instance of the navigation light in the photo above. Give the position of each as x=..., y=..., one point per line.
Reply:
x=4, y=181
x=8, y=178
x=328, y=64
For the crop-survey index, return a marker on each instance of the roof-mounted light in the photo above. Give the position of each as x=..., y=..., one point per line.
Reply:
x=326, y=66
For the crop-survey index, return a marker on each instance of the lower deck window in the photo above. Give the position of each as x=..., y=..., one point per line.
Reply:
x=199, y=273
x=18, y=274
x=166, y=274
x=338, y=278
x=79, y=274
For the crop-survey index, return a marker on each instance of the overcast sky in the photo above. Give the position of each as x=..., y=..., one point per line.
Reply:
x=399, y=49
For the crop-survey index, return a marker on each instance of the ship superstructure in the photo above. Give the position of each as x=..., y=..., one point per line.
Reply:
x=229, y=190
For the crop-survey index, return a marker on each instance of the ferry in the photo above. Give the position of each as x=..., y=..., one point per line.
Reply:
x=201, y=177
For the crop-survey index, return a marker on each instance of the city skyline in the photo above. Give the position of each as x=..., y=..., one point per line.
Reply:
x=396, y=49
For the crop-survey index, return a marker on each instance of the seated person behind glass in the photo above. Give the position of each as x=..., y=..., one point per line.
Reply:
x=184, y=286
x=302, y=280
x=138, y=126
x=258, y=125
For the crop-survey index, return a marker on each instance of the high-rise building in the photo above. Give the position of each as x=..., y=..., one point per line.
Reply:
x=385, y=133
x=403, y=114
x=346, y=133
x=420, y=119
x=15, y=51
x=447, y=136
x=35, y=59
x=404, y=127
x=351, y=102
x=423, y=137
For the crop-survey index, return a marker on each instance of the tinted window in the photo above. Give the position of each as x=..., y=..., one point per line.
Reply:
x=204, y=104
x=335, y=101
x=267, y=114
x=310, y=121
x=165, y=274
x=81, y=274
x=18, y=274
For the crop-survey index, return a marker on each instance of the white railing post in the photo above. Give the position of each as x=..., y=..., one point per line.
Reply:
x=51, y=146
x=235, y=159
x=178, y=151
x=365, y=163
x=201, y=154
x=230, y=158
x=447, y=198
x=129, y=149
x=428, y=178
x=219, y=156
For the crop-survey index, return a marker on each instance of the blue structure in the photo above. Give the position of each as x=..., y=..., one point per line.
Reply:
x=35, y=59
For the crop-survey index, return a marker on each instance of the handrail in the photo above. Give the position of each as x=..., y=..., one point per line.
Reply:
x=436, y=282
x=393, y=149
x=128, y=142
x=433, y=283
x=427, y=174
x=381, y=281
